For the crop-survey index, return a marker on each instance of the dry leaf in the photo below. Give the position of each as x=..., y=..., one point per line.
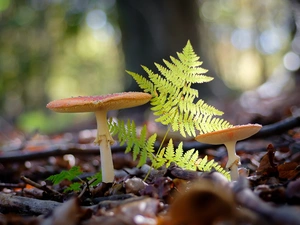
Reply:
x=267, y=166
x=288, y=170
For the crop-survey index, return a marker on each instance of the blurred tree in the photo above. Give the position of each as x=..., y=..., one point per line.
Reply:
x=25, y=45
x=54, y=49
x=155, y=30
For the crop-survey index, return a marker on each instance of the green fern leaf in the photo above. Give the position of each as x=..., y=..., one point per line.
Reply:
x=76, y=186
x=131, y=128
x=179, y=153
x=140, y=147
x=159, y=160
x=65, y=175
x=187, y=157
x=174, y=100
x=208, y=165
x=143, y=149
x=193, y=159
x=201, y=163
x=150, y=144
x=143, y=82
x=97, y=177
x=169, y=153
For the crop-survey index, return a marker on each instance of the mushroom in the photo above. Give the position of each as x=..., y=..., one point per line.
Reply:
x=100, y=105
x=229, y=137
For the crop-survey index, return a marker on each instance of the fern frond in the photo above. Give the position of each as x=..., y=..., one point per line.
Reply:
x=187, y=160
x=203, y=164
x=143, y=82
x=147, y=150
x=174, y=100
x=65, y=175
x=140, y=147
x=143, y=149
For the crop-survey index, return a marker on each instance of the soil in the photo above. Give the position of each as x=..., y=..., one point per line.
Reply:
x=267, y=192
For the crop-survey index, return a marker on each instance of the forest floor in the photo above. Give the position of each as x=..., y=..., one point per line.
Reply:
x=267, y=192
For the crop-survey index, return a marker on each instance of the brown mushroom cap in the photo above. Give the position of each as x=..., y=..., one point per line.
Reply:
x=234, y=133
x=101, y=102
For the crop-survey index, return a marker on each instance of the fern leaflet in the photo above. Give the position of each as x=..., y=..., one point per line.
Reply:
x=76, y=186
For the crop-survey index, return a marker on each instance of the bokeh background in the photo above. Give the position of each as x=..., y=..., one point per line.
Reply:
x=51, y=49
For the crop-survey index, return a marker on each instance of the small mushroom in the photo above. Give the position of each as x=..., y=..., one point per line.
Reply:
x=229, y=137
x=100, y=105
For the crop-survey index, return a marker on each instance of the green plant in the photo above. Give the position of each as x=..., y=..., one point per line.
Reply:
x=187, y=160
x=174, y=99
x=137, y=144
x=70, y=175
x=143, y=149
x=174, y=103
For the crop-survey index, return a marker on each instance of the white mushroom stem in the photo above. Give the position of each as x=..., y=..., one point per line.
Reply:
x=234, y=172
x=104, y=140
x=233, y=160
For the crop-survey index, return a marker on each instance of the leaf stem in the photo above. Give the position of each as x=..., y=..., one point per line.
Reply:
x=163, y=141
x=158, y=152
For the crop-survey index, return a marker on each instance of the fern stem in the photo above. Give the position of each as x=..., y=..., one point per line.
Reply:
x=158, y=151
x=163, y=141
x=148, y=173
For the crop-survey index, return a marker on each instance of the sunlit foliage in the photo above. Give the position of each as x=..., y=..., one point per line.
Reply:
x=54, y=49
x=247, y=39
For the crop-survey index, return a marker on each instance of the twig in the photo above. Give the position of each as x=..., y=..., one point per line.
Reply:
x=86, y=186
x=279, y=127
x=39, y=186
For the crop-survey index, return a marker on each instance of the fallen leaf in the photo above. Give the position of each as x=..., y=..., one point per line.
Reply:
x=288, y=170
x=267, y=166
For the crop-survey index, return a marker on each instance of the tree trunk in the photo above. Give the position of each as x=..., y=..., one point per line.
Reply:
x=154, y=30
